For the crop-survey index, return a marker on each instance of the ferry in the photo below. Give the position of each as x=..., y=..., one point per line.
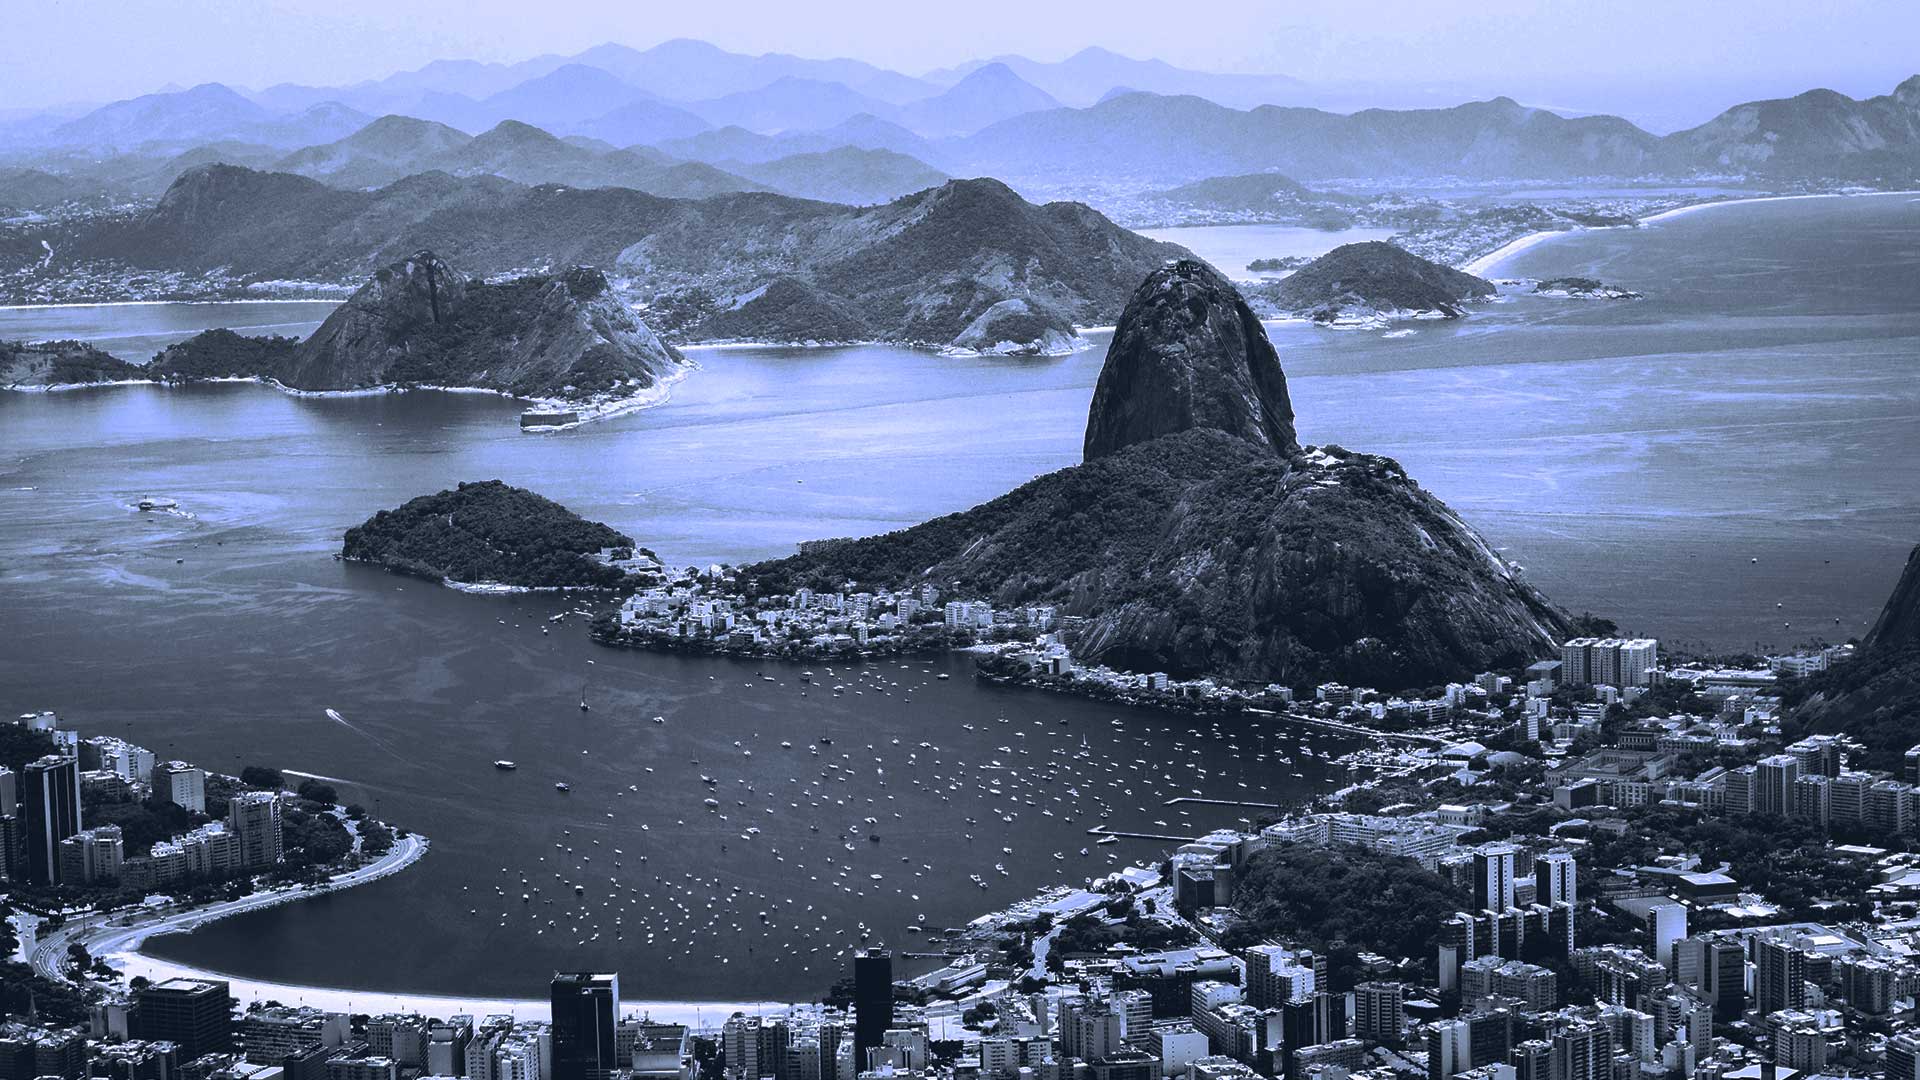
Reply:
x=506, y=766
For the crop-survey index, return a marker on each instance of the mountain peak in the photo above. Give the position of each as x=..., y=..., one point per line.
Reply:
x=1189, y=353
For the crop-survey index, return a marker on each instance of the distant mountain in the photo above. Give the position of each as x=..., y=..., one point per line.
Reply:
x=206, y=112
x=528, y=155
x=1088, y=75
x=378, y=154
x=1374, y=280
x=1198, y=537
x=646, y=121
x=688, y=70
x=1177, y=139
x=846, y=175
x=1249, y=191
x=1818, y=133
x=31, y=189
x=985, y=96
x=563, y=99
x=420, y=322
x=920, y=269
x=788, y=104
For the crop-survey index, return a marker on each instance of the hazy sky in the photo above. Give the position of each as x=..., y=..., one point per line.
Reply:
x=1619, y=56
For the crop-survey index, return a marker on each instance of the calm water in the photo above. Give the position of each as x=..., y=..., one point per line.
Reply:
x=1761, y=403
x=135, y=332
x=1232, y=247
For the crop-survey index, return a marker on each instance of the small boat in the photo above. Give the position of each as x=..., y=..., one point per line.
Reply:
x=563, y=786
x=505, y=766
x=943, y=676
x=157, y=502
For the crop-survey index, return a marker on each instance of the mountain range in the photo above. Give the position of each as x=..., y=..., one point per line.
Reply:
x=750, y=265
x=1092, y=118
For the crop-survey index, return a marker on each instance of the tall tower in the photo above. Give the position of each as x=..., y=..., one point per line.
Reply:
x=1493, y=869
x=872, y=1001
x=585, y=1006
x=52, y=812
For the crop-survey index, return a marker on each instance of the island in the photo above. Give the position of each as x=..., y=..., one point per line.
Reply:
x=1582, y=288
x=562, y=340
x=490, y=537
x=1368, y=284
x=58, y=365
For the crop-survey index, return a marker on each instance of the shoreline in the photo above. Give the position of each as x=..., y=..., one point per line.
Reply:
x=58, y=305
x=1484, y=265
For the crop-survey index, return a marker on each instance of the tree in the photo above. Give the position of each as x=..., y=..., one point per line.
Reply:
x=263, y=778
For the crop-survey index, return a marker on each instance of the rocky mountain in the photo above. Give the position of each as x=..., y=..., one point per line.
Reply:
x=1222, y=547
x=1874, y=697
x=918, y=269
x=844, y=175
x=1818, y=133
x=37, y=365
x=1189, y=353
x=1371, y=281
x=493, y=534
x=420, y=322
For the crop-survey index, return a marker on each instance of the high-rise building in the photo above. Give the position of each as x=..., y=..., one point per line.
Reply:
x=872, y=1001
x=1379, y=1010
x=194, y=1014
x=1617, y=662
x=181, y=784
x=1779, y=975
x=9, y=791
x=1468, y=1042
x=92, y=855
x=1726, y=978
x=1773, y=784
x=254, y=817
x=1493, y=871
x=1903, y=1056
x=1582, y=1051
x=585, y=1006
x=1555, y=878
x=1666, y=924
x=1276, y=977
x=50, y=811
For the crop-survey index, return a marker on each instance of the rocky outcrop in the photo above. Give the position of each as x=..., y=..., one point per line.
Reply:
x=1014, y=328
x=488, y=533
x=1199, y=538
x=1373, y=281
x=1899, y=622
x=421, y=322
x=1189, y=353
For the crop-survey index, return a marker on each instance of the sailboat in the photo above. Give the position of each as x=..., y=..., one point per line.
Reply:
x=584, y=707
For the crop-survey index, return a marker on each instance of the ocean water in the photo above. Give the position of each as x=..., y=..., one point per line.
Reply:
x=1760, y=403
x=1232, y=247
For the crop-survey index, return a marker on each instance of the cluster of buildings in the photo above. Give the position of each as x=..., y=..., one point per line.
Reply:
x=707, y=609
x=44, y=840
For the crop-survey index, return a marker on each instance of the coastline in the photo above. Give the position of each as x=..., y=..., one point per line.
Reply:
x=1486, y=264
x=336, y=301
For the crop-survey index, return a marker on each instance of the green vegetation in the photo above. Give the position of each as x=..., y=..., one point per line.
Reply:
x=1342, y=900
x=489, y=532
x=61, y=363
x=223, y=354
x=1873, y=697
x=1376, y=275
x=1791, y=862
x=20, y=744
x=1084, y=934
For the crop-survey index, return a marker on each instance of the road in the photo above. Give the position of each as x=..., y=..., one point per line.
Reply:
x=125, y=928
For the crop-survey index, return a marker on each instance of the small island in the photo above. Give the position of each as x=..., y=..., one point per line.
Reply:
x=1366, y=285
x=490, y=537
x=1582, y=288
x=57, y=365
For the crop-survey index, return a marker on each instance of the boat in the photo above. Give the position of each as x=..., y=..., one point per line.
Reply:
x=158, y=502
x=943, y=676
x=563, y=786
x=505, y=766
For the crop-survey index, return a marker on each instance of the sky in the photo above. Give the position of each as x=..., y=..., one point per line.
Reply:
x=1654, y=56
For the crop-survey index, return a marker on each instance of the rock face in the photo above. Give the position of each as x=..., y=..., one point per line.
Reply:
x=1013, y=328
x=1874, y=697
x=420, y=321
x=1371, y=281
x=1199, y=538
x=1899, y=622
x=1189, y=353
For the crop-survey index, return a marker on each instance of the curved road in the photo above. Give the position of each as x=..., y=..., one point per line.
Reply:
x=125, y=928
